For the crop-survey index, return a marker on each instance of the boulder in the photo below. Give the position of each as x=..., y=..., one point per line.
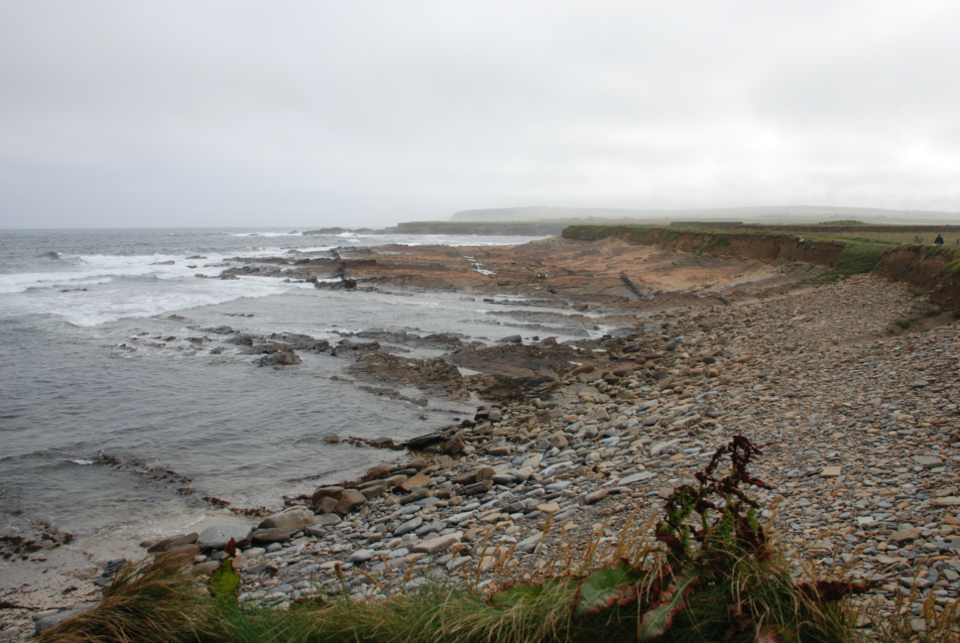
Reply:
x=408, y=526
x=171, y=543
x=417, y=494
x=906, y=534
x=290, y=520
x=49, y=622
x=326, y=492
x=468, y=477
x=328, y=520
x=418, y=463
x=436, y=544
x=596, y=496
x=272, y=535
x=192, y=550
x=279, y=354
x=379, y=472
x=454, y=445
x=328, y=505
x=218, y=536
x=477, y=488
x=419, y=480
x=374, y=491
x=350, y=500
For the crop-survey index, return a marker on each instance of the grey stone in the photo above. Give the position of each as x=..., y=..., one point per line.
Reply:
x=328, y=520
x=361, y=556
x=904, y=535
x=637, y=477
x=436, y=544
x=272, y=535
x=408, y=526
x=290, y=521
x=218, y=536
x=350, y=499
x=529, y=544
x=432, y=527
x=596, y=496
x=478, y=488
x=170, y=543
x=49, y=622
x=417, y=494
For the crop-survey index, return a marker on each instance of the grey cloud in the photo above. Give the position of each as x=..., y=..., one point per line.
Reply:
x=246, y=113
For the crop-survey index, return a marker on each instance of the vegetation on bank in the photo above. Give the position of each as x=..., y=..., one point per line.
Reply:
x=715, y=574
x=856, y=258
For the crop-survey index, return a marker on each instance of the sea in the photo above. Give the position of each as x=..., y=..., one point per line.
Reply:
x=116, y=421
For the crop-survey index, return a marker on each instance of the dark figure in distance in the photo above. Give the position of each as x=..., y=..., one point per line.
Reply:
x=939, y=240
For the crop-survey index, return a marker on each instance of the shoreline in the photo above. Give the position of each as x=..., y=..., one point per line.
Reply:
x=915, y=531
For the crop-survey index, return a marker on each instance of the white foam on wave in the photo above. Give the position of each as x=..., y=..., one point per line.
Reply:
x=128, y=286
x=167, y=296
x=294, y=233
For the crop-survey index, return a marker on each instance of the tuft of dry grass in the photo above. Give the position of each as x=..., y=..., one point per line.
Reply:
x=157, y=601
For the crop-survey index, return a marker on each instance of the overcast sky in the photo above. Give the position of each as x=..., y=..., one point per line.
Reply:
x=368, y=113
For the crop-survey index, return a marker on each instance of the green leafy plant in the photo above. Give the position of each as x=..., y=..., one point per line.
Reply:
x=224, y=583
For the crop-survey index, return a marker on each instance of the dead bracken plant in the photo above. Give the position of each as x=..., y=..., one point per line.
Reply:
x=718, y=578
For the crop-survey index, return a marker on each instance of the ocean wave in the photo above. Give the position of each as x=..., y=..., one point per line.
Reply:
x=294, y=233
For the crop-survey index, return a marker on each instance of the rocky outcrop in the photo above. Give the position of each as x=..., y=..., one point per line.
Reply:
x=279, y=354
x=434, y=376
x=546, y=359
x=301, y=342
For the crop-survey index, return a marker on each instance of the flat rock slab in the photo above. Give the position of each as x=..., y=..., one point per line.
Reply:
x=218, y=536
x=436, y=544
x=172, y=543
x=529, y=544
x=291, y=520
x=905, y=535
x=408, y=526
x=361, y=556
x=477, y=488
x=272, y=535
x=350, y=500
x=637, y=477
x=53, y=620
x=419, y=480
x=947, y=501
x=549, y=508
x=328, y=520
x=927, y=461
x=830, y=472
x=596, y=496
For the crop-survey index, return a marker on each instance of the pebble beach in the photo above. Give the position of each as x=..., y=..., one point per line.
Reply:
x=855, y=416
x=857, y=428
